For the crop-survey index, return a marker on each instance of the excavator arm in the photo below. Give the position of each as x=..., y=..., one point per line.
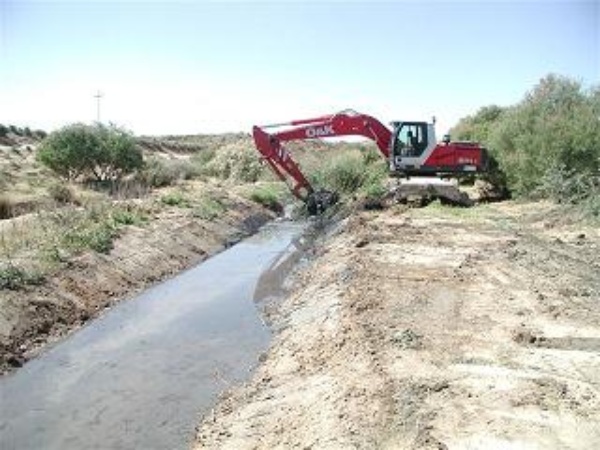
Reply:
x=345, y=123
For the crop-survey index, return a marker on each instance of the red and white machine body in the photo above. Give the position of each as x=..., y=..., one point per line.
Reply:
x=415, y=151
x=410, y=147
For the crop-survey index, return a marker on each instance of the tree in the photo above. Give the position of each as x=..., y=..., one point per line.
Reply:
x=478, y=126
x=40, y=134
x=555, y=127
x=90, y=151
x=119, y=154
x=544, y=142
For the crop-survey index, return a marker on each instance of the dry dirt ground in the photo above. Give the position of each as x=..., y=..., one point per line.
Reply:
x=431, y=328
x=34, y=316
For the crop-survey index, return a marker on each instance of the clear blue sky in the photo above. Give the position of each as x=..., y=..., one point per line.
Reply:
x=194, y=67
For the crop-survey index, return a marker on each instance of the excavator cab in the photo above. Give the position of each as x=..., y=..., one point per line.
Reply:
x=414, y=151
x=410, y=139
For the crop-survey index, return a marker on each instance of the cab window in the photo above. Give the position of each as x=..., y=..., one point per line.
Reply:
x=411, y=139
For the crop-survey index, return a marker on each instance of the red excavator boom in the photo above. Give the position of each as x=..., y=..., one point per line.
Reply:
x=345, y=123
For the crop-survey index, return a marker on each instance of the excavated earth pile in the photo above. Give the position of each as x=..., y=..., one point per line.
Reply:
x=430, y=328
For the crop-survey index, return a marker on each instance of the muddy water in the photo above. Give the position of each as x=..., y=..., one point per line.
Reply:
x=141, y=376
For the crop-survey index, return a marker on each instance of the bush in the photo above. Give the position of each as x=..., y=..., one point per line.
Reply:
x=268, y=197
x=3, y=130
x=160, y=172
x=568, y=186
x=96, y=227
x=119, y=153
x=126, y=217
x=61, y=193
x=235, y=162
x=546, y=145
x=591, y=205
x=98, y=238
x=175, y=199
x=40, y=134
x=478, y=126
x=13, y=277
x=349, y=173
x=208, y=209
x=98, y=152
x=375, y=190
x=344, y=173
x=203, y=157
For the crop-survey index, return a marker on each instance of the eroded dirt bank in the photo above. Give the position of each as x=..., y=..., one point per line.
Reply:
x=431, y=328
x=174, y=239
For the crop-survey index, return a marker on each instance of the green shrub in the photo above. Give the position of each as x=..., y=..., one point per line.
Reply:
x=96, y=227
x=40, y=134
x=13, y=277
x=3, y=130
x=478, y=126
x=175, y=199
x=235, y=162
x=160, y=172
x=119, y=153
x=591, y=205
x=269, y=197
x=203, y=157
x=567, y=186
x=98, y=238
x=546, y=145
x=554, y=129
x=208, y=209
x=344, y=173
x=127, y=217
x=349, y=173
x=98, y=152
x=375, y=189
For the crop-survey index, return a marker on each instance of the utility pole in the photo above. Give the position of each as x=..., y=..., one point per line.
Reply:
x=98, y=96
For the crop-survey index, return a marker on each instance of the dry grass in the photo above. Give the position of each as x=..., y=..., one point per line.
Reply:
x=39, y=243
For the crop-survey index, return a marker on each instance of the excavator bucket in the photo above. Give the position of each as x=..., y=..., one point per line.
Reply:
x=317, y=202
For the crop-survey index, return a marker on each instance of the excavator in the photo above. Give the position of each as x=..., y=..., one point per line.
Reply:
x=410, y=148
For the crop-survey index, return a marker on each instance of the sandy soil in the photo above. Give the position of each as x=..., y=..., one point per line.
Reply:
x=431, y=328
x=33, y=317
